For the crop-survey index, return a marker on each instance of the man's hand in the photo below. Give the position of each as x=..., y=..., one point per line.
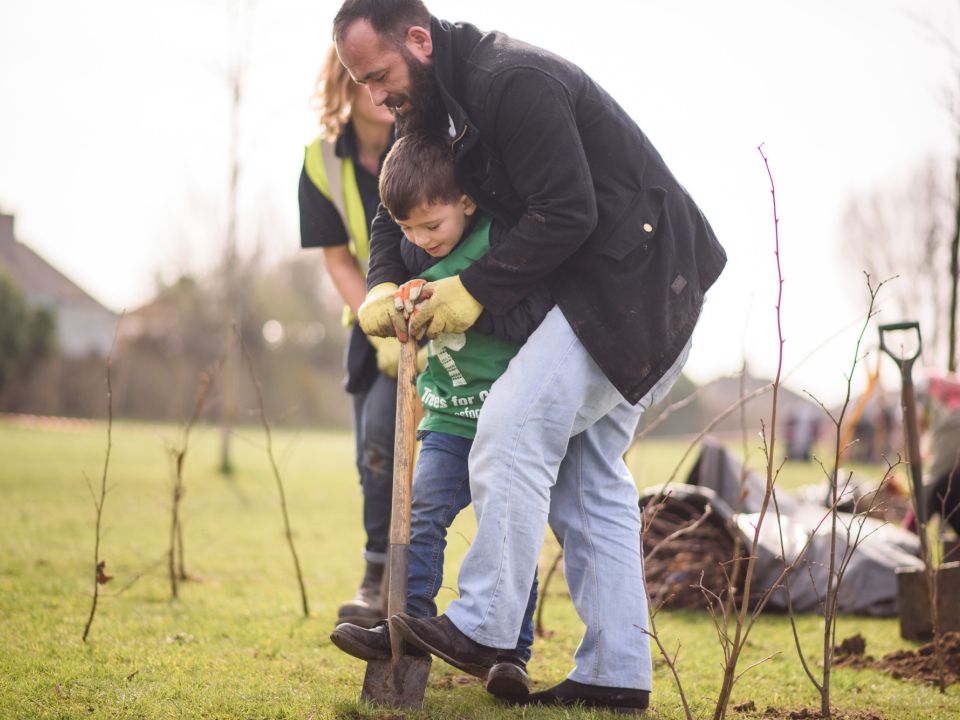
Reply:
x=388, y=354
x=443, y=306
x=378, y=315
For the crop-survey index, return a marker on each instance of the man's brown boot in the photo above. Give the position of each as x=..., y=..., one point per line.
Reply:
x=367, y=607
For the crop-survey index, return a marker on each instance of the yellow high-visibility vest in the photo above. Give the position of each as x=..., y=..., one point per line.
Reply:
x=336, y=179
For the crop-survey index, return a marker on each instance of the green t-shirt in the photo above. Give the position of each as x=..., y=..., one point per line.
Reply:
x=461, y=367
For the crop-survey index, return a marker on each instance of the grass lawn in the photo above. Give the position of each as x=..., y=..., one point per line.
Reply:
x=235, y=644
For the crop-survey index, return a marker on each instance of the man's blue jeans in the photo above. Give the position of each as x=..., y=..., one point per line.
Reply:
x=549, y=449
x=374, y=419
x=441, y=489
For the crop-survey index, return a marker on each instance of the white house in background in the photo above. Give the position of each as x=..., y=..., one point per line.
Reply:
x=83, y=324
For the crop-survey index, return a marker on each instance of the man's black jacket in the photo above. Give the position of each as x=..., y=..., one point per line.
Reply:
x=587, y=203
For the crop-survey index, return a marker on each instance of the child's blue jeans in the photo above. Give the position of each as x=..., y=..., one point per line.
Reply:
x=441, y=489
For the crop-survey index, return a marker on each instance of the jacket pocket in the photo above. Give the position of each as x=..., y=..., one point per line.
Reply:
x=637, y=226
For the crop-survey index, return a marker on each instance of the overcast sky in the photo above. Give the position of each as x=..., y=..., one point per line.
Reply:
x=114, y=118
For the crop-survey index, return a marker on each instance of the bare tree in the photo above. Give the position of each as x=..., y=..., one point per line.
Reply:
x=544, y=587
x=734, y=619
x=951, y=102
x=853, y=529
x=288, y=530
x=239, y=12
x=734, y=642
x=908, y=231
x=177, y=570
x=954, y=266
x=100, y=576
x=913, y=230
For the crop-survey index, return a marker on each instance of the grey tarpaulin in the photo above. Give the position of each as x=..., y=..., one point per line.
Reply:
x=869, y=585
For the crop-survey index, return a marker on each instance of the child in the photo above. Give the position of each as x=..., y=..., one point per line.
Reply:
x=444, y=233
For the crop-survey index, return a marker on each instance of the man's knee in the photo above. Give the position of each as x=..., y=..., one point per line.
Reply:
x=377, y=461
x=492, y=425
x=377, y=453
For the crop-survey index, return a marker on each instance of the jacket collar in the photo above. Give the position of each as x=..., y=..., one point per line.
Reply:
x=452, y=45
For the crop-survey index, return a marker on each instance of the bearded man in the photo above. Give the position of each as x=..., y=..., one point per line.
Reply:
x=586, y=205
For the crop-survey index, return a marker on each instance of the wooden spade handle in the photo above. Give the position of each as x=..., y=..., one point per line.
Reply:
x=403, y=451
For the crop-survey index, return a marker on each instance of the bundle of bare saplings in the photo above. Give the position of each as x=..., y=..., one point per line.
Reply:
x=686, y=545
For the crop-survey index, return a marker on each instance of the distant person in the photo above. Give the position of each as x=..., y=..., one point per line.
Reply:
x=443, y=235
x=588, y=207
x=338, y=200
x=942, y=486
x=865, y=448
x=942, y=476
x=803, y=429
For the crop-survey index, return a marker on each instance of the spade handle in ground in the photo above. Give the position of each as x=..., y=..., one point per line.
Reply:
x=403, y=458
x=401, y=681
x=908, y=402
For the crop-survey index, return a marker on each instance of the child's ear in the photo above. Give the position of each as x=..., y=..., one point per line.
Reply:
x=468, y=205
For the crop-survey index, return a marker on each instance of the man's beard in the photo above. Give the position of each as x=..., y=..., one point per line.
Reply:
x=427, y=111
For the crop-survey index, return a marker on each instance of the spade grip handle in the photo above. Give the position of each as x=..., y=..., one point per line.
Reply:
x=908, y=402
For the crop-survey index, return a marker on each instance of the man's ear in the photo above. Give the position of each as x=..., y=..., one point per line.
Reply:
x=468, y=205
x=419, y=42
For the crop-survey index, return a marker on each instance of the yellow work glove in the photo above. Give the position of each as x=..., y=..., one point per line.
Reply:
x=388, y=354
x=443, y=306
x=377, y=314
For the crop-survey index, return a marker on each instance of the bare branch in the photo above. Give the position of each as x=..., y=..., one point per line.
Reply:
x=667, y=412
x=176, y=563
x=672, y=664
x=753, y=665
x=711, y=425
x=541, y=632
x=98, y=563
x=276, y=472
x=146, y=571
x=707, y=511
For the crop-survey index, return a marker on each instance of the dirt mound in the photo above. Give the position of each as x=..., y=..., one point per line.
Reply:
x=814, y=714
x=851, y=646
x=921, y=665
x=918, y=665
x=804, y=713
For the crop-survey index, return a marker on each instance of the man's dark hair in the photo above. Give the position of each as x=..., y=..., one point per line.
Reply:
x=389, y=18
x=418, y=170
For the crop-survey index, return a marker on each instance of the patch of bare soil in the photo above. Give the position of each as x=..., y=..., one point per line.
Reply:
x=804, y=713
x=855, y=645
x=814, y=714
x=448, y=682
x=918, y=665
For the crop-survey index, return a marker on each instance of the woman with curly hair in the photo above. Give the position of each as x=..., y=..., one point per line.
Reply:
x=338, y=200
